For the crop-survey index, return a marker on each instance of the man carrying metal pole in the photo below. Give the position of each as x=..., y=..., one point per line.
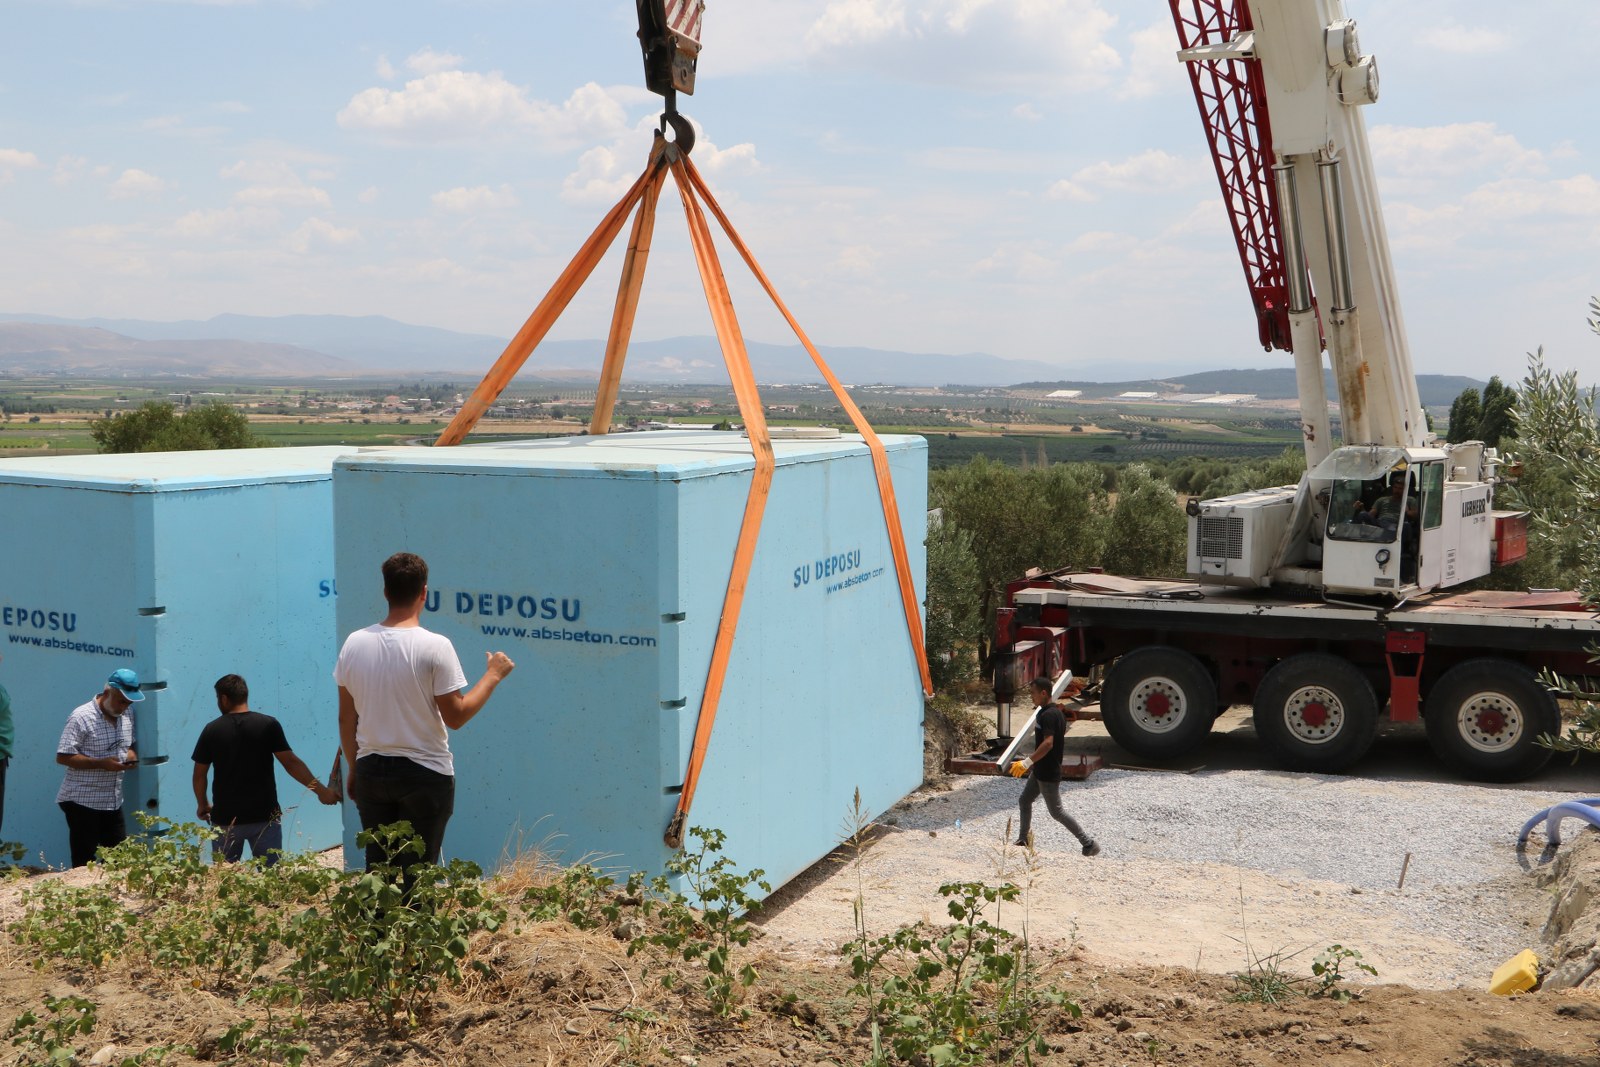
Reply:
x=1043, y=769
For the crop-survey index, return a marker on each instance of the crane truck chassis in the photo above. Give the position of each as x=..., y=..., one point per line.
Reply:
x=1320, y=675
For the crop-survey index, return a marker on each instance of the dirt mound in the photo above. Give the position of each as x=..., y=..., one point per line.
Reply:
x=558, y=996
x=1572, y=932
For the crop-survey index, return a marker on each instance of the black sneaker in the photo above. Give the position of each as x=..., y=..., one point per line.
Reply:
x=1091, y=849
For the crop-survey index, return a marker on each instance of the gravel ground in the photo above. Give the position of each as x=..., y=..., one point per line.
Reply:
x=1195, y=865
x=1352, y=831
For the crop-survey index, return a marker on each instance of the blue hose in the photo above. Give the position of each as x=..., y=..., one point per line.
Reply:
x=1587, y=810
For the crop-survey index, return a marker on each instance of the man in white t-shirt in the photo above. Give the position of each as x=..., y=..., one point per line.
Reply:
x=400, y=686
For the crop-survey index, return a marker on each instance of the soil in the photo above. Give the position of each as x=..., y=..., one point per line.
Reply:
x=557, y=995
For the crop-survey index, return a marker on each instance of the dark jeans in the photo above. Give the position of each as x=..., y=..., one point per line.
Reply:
x=88, y=829
x=391, y=788
x=265, y=839
x=1052, y=802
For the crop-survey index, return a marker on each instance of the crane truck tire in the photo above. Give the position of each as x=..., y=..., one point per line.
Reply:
x=1158, y=702
x=1484, y=717
x=1316, y=712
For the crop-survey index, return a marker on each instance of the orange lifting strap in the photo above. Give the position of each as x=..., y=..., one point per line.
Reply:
x=692, y=190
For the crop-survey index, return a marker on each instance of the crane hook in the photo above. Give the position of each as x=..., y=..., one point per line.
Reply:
x=682, y=128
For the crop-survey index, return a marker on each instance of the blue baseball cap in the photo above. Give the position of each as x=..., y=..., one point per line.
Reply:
x=126, y=682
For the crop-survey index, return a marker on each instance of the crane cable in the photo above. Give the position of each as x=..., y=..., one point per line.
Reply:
x=644, y=193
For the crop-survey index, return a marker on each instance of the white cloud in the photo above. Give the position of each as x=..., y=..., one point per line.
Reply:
x=1451, y=151
x=1153, y=66
x=283, y=196
x=739, y=159
x=1026, y=112
x=1466, y=40
x=275, y=183
x=1516, y=199
x=1065, y=190
x=427, y=61
x=134, y=182
x=317, y=233
x=13, y=160
x=16, y=159
x=261, y=172
x=746, y=38
x=1048, y=45
x=369, y=195
x=1150, y=171
x=605, y=172
x=1097, y=242
x=225, y=224
x=385, y=69
x=464, y=201
x=455, y=104
x=600, y=177
x=68, y=169
x=177, y=126
x=1017, y=262
x=853, y=22
x=101, y=233
x=857, y=261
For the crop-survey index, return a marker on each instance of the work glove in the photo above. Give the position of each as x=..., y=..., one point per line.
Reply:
x=1021, y=767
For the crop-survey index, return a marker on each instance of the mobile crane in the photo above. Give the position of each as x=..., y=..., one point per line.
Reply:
x=1313, y=602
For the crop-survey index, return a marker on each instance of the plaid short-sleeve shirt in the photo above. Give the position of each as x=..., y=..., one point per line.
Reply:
x=89, y=733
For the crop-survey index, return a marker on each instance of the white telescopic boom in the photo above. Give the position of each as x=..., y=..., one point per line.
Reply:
x=1316, y=79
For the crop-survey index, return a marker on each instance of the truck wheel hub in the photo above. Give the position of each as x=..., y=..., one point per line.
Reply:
x=1313, y=714
x=1157, y=705
x=1490, y=722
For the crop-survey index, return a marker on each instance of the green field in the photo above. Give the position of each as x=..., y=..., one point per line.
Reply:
x=947, y=451
x=957, y=427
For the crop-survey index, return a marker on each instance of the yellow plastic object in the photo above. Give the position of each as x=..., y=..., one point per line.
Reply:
x=1516, y=975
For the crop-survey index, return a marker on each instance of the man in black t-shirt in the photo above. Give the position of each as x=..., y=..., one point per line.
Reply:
x=242, y=745
x=1044, y=769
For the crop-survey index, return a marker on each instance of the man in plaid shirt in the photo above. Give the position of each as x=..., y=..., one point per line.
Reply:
x=96, y=748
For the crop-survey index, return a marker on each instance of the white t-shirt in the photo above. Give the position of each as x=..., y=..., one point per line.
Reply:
x=394, y=672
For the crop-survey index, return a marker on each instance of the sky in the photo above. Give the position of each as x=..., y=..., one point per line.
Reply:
x=1026, y=178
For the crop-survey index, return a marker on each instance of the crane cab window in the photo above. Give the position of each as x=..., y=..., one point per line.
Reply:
x=1361, y=501
x=1432, y=495
x=1350, y=512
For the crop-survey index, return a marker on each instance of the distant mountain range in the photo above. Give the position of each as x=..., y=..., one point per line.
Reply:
x=372, y=344
x=340, y=346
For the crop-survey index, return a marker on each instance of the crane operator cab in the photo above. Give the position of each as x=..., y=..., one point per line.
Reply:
x=1366, y=521
x=1373, y=532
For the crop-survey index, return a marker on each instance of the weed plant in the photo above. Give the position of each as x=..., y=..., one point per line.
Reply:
x=388, y=937
x=218, y=923
x=584, y=896
x=963, y=994
x=1327, y=973
x=1266, y=979
x=710, y=933
x=52, y=1039
x=82, y=926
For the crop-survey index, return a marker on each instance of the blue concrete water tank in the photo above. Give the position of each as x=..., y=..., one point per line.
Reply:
x=184, y=566
x=599, y=565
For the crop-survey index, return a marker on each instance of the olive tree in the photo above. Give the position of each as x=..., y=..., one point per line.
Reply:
x=954, y=620
x=1021, y=519
x=1147, y=528
x=1559, y=433
x=160, y=427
